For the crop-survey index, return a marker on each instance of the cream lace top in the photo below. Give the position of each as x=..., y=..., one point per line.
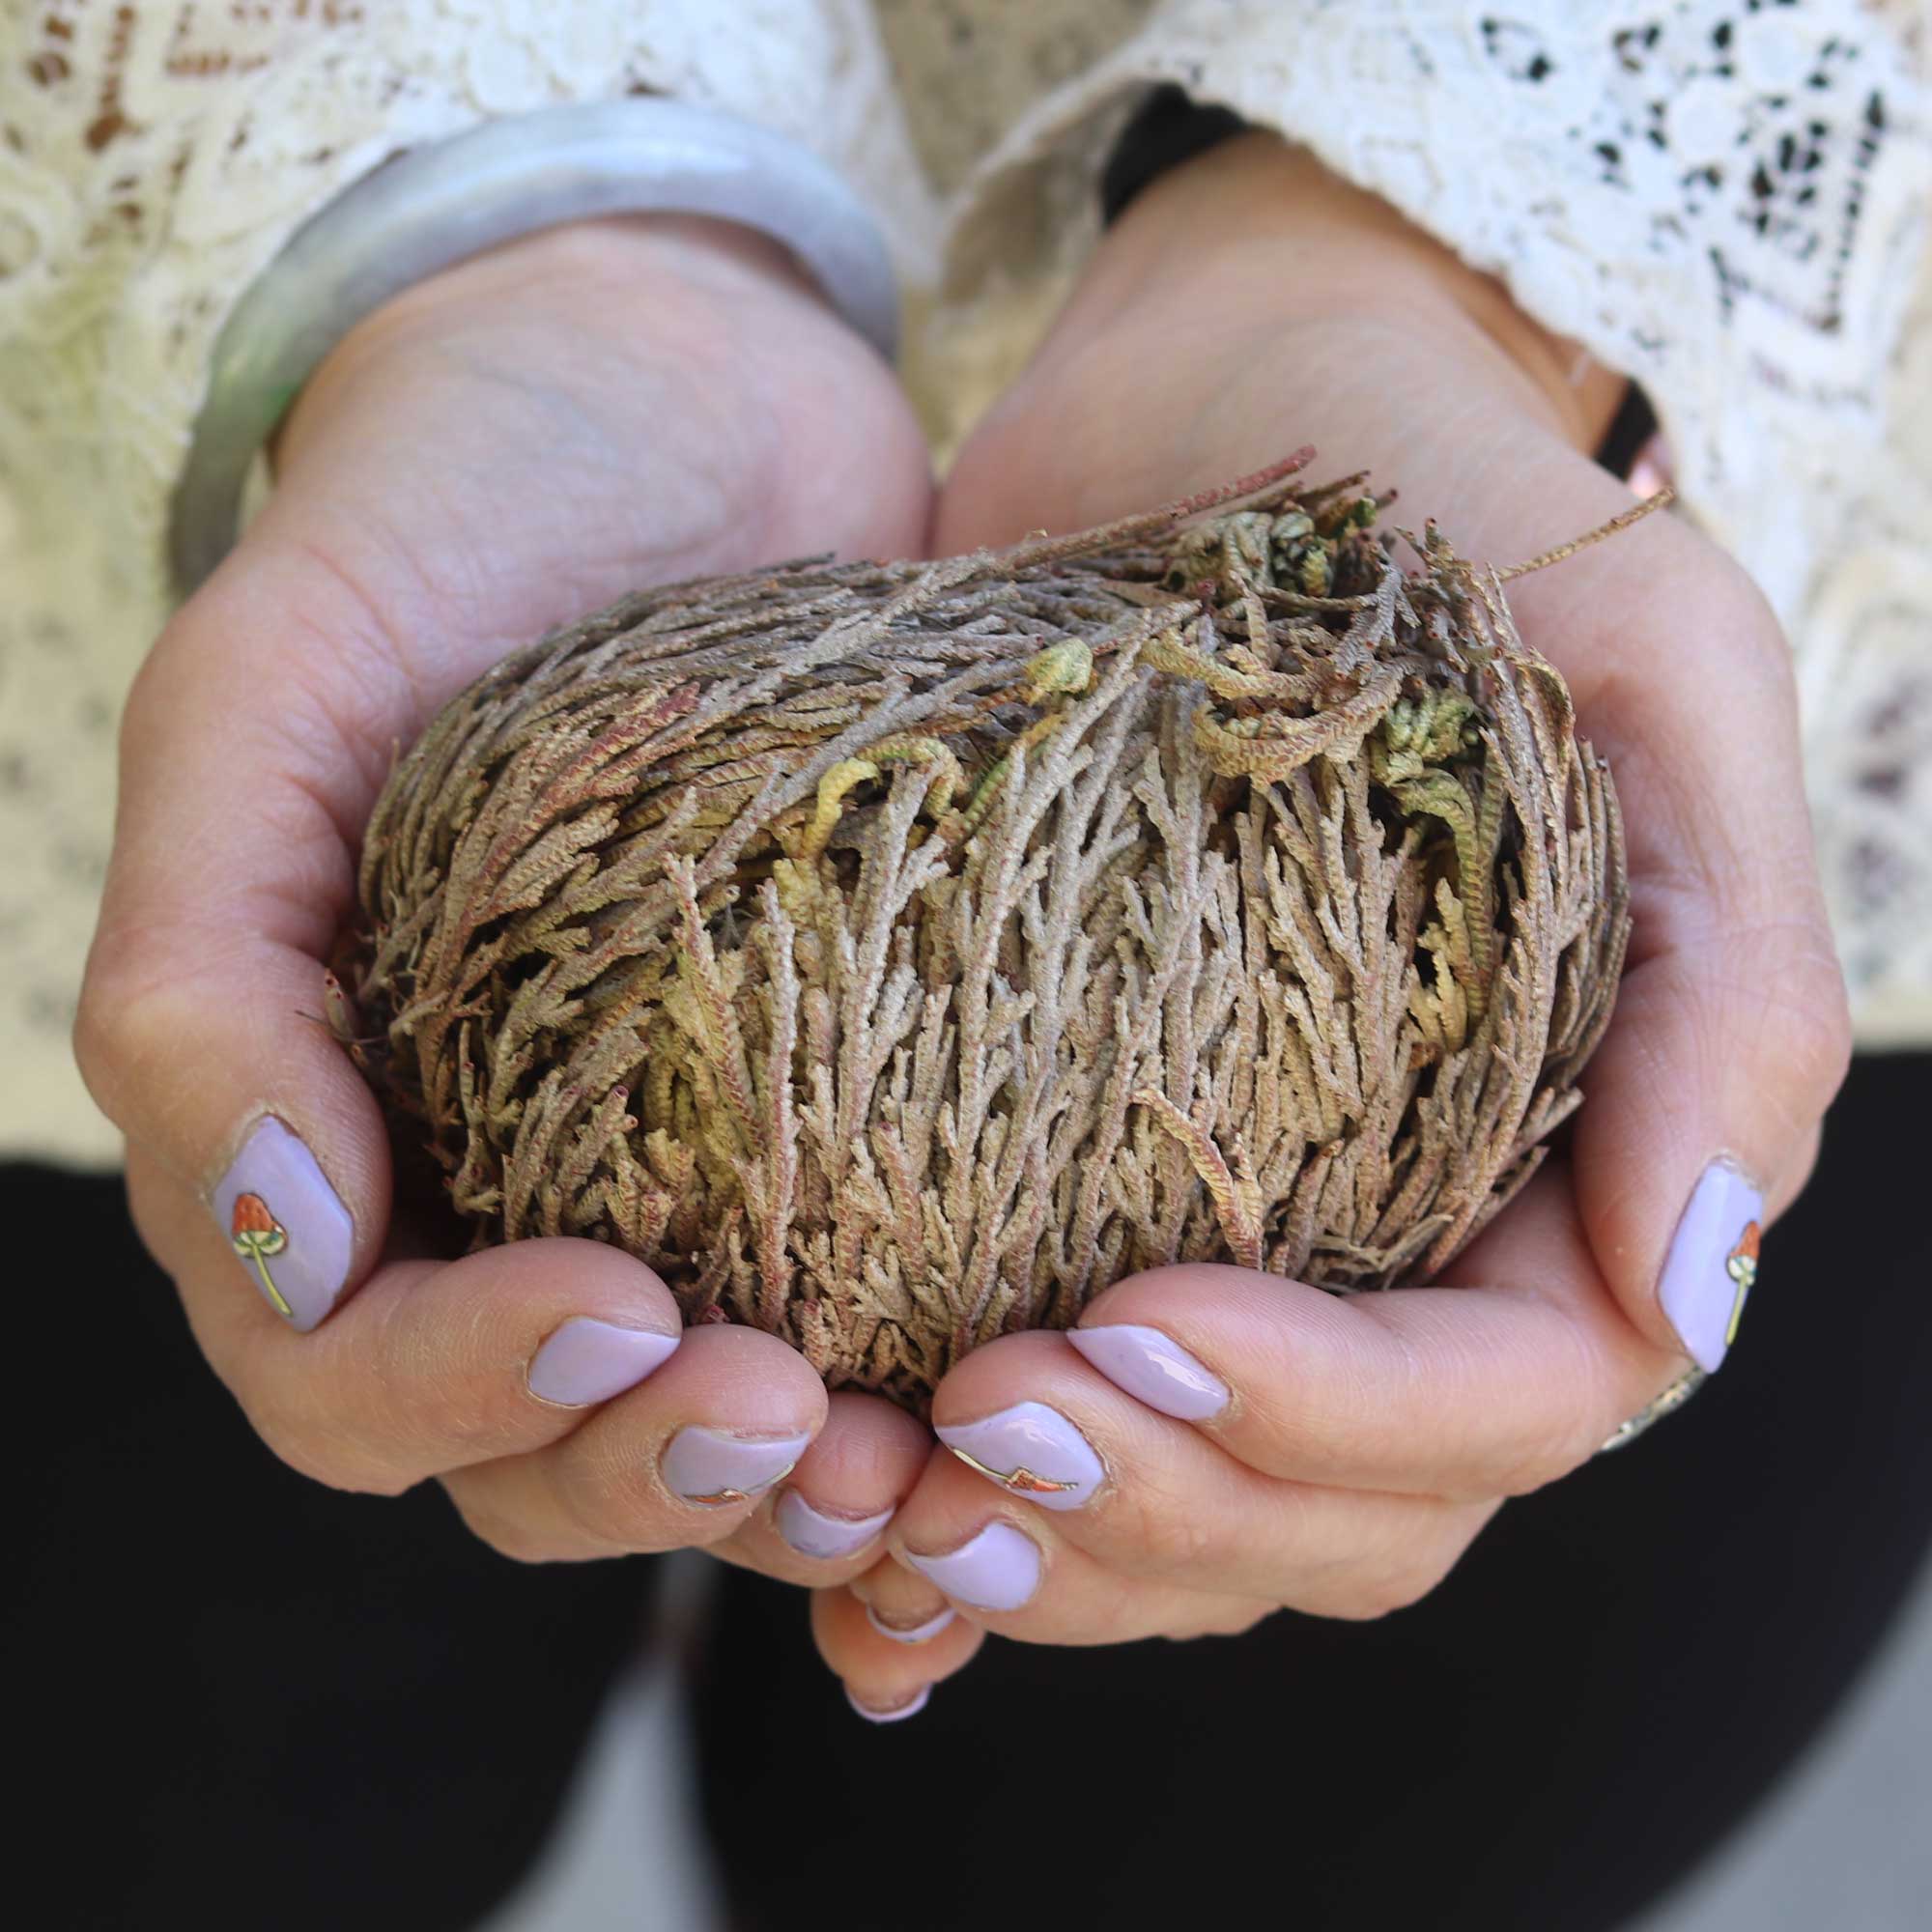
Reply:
x=1727, y=199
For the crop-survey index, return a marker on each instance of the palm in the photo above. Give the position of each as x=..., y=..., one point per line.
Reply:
x=502, y=455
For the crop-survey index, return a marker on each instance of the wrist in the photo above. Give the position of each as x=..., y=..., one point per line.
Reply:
x=693, y=271
x=430, y=207
x=616, y=254
x=1254, y=210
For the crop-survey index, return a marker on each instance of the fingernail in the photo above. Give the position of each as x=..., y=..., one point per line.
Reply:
x=813, y=1533
x=1712, y=1263
x=910, y=1708
x=1652, y=468
x=914, y=1632
x=1147, y=1366
x=588, y=1361
x=998, y=1570
x=705, y=1466
x=1031, y=1451
x=287, y=1224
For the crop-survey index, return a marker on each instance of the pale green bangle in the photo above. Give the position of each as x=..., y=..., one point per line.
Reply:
x=429, y=208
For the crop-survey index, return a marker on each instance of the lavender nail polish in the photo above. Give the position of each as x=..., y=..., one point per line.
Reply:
x=919, y=1632
x=997, y=1570
x=706, y=1465
x=911, y=1709
x=287, y=1224
x=1712, y=1263
x=1142, y=1363
x=1031, y=1451
x=813, y=1533
x=586, y=1361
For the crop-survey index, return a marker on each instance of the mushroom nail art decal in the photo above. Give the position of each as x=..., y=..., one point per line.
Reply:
x=286, y=1224
x=1741, y=1264
x=1712, y=1261
x=257, y=1235
x=1021, y=1481
x=1031, y=1451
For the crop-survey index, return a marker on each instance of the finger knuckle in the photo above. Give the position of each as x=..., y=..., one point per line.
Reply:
x=125, y=1017
x=296, y=1441
x=367, y=1479
x=1798, y=1175
x=594, y=1495
x=1814, y=1039
x=1782, y=998
x=1375, y=1594
x=518, y=1540
x=605, y=1497
x=1748, y=619
x=1720, y=604
x=1376, y=1583
x=1561, y=1452
x=280, y=1436
x=1357, y=1607
x=421, y=1400
x=513, y=1546
x=1236, y=1618
x=1172, y=1538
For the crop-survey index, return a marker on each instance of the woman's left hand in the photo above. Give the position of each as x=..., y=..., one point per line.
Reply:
x=1208, y=1444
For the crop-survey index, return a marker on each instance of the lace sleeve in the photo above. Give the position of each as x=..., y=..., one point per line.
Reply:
x=155, y=155
x=1725, y=199
x=158, y=154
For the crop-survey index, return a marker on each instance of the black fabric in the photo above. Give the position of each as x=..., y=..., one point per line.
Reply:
x=263, y=1703
x=266, y=1704
x=1166, y=130
x=1633, y=426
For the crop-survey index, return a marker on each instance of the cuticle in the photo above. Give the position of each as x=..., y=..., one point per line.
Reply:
x=548, y=1402
x=891, y=1709
x=1735, y=1163
x=850, y=1519
x=967, y=1542
x=902, y=1628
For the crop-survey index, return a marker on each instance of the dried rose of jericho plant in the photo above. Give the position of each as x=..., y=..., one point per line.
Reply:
x=894, y=956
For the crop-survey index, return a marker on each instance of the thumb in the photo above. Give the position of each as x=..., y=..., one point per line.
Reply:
x=1730, y=1033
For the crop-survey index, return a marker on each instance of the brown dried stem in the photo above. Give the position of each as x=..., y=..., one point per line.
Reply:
x=895, y=955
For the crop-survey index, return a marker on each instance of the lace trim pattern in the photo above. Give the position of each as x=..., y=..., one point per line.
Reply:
x=154, y=157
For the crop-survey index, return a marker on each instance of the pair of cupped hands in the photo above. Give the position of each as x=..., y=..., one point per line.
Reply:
x=523, y=439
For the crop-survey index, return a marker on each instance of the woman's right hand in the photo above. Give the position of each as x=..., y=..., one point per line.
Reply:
x=506, y=446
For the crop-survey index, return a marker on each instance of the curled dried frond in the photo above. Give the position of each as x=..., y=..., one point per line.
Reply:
x=894, y=956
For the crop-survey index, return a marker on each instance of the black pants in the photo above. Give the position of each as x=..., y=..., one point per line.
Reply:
x=266, y=1705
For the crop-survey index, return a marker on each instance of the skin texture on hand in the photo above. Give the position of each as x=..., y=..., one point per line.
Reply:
x=509, y=444
x=1231, y=1443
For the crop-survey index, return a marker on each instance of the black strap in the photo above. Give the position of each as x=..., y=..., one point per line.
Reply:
x=1168, y=129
